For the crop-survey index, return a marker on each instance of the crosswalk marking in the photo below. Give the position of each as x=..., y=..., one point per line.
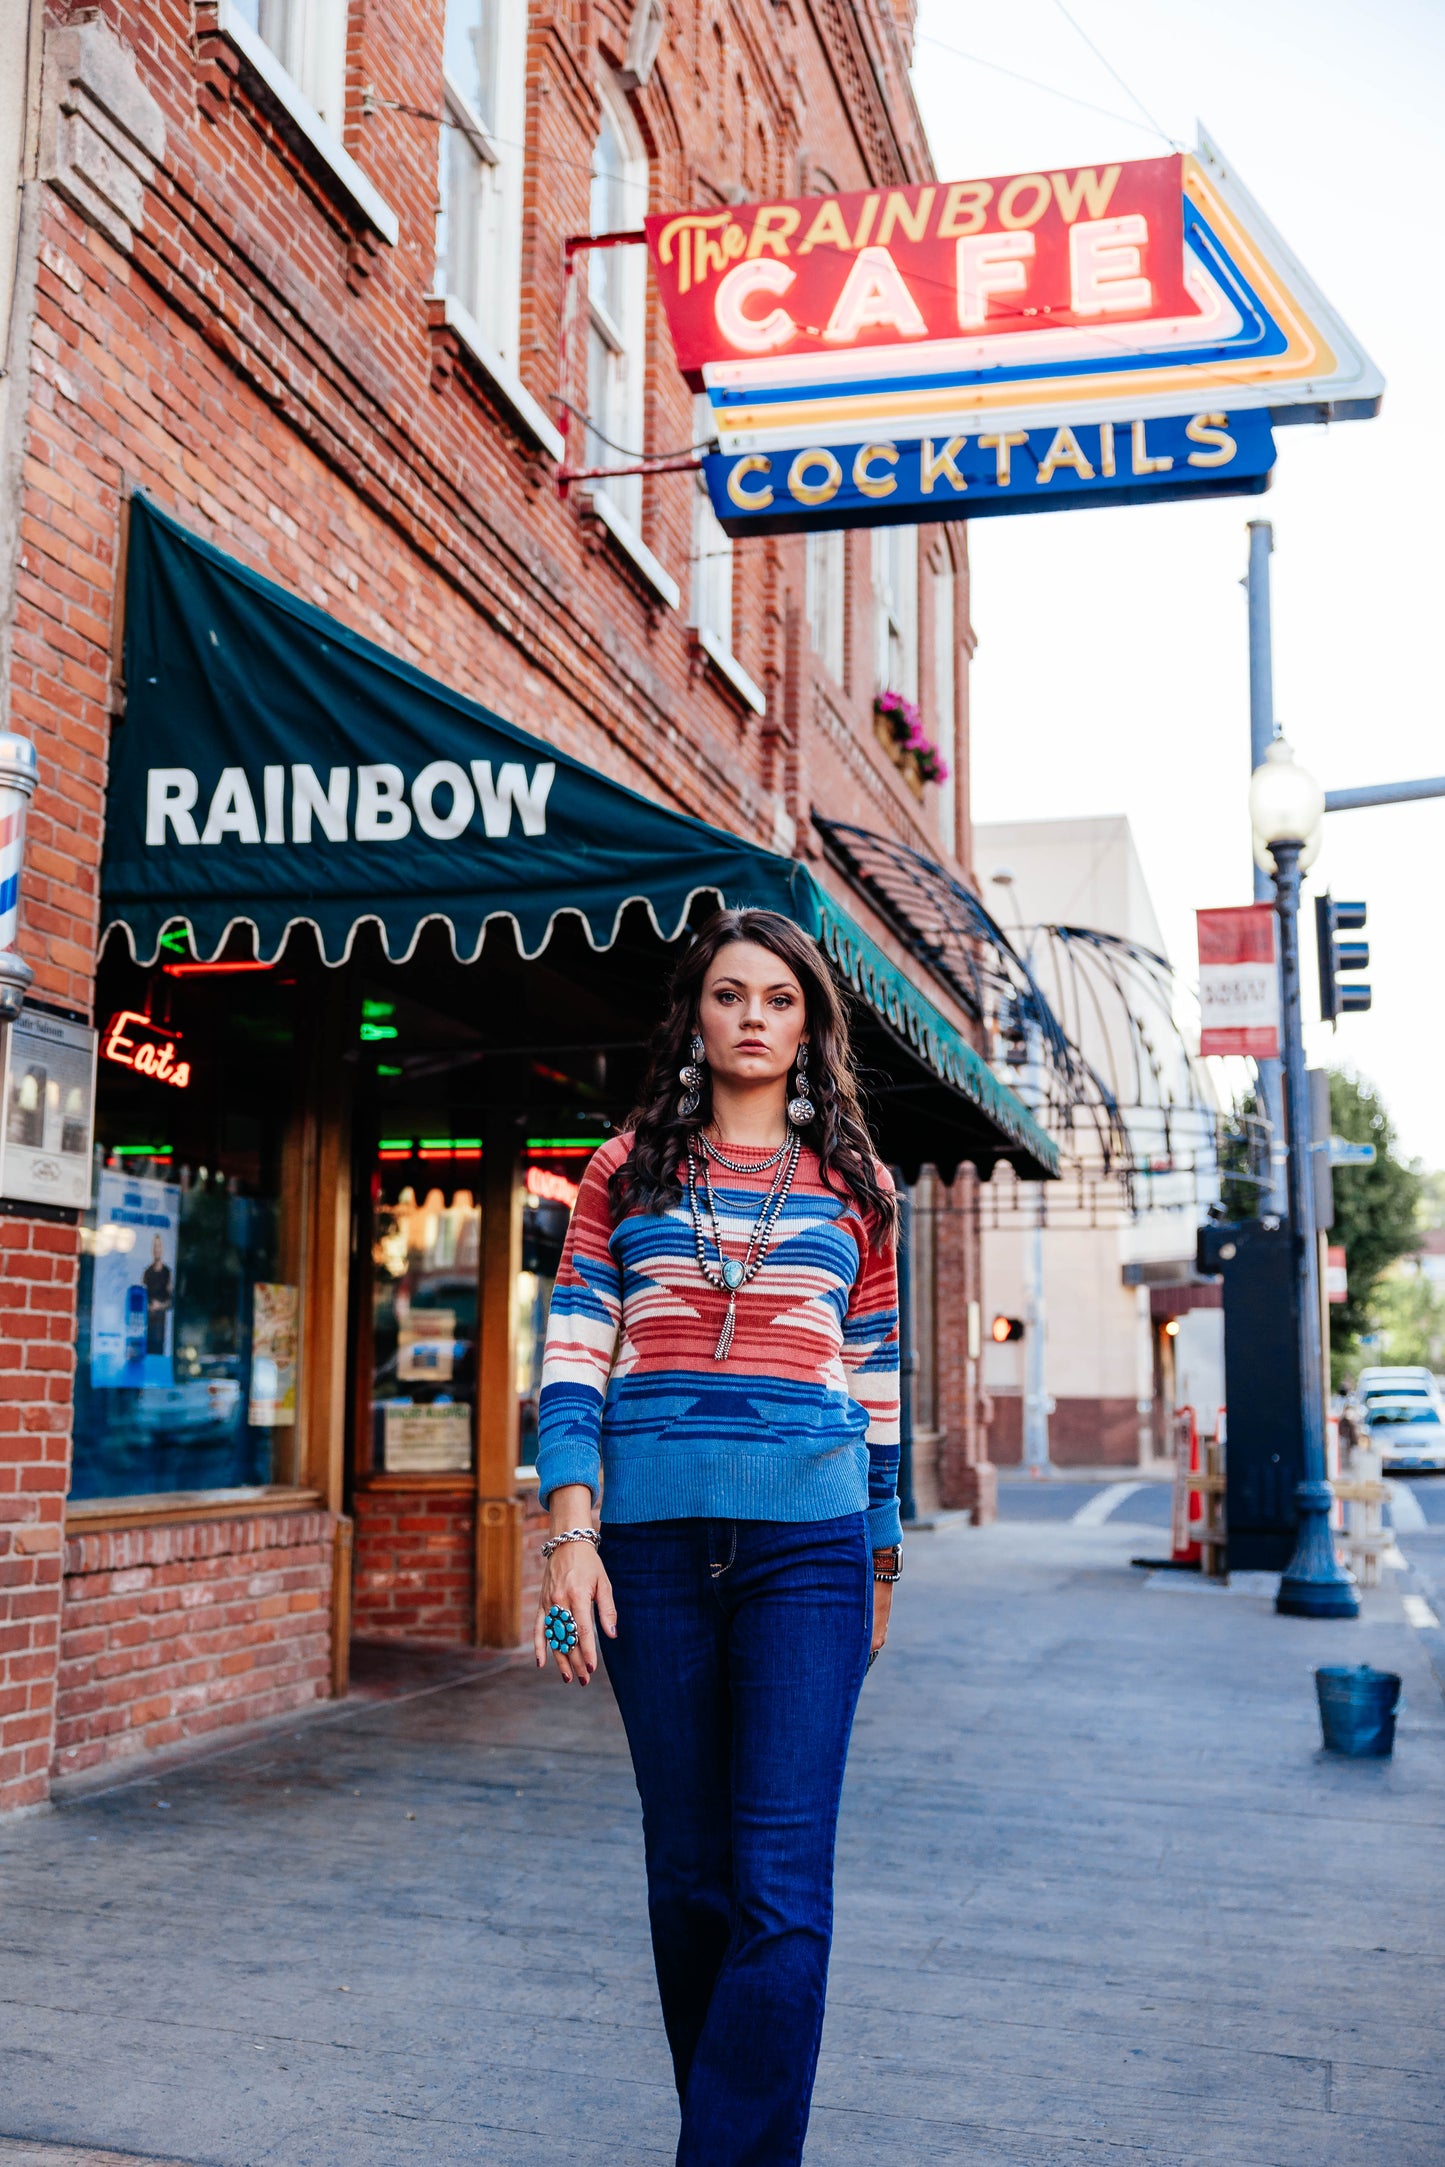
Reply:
x=1105, y=1502
x=1418, y=1613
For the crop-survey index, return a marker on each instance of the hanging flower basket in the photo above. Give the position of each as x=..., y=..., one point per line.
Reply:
x=900, y=731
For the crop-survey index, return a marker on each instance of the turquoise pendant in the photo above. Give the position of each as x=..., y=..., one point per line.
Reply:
x=732, y=1276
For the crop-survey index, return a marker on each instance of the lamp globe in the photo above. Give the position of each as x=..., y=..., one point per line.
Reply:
x=1286, y=805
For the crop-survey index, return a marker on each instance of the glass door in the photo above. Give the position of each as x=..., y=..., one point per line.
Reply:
x=422, y=1358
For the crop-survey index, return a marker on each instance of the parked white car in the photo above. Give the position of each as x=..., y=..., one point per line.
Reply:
x=1407, y=1431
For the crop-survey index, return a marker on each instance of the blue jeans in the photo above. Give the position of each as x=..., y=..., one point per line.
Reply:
x=740, y=1649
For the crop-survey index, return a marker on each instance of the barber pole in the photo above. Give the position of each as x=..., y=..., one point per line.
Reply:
x=17, y=787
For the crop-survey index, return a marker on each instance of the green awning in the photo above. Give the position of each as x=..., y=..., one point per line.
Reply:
x=274, y=769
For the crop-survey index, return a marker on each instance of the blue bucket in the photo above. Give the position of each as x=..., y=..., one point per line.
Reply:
x=1357, y=1709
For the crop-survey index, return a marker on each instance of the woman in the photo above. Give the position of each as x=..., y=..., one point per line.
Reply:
x=722, y=1371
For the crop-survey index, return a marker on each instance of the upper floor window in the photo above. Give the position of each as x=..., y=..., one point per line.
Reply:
x=895, y=607
x=479, y=227
x=712, y=550
x=617, y=306
x=308, y=37
x=825, y=589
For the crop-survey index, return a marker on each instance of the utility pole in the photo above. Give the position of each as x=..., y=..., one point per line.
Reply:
x=1272, y=1202
x=1285, y=808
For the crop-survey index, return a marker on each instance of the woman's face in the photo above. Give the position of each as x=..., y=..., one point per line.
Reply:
x=752, y=1014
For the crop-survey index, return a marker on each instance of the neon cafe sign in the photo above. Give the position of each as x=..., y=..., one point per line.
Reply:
x=133, y=1041
x=1096, y=335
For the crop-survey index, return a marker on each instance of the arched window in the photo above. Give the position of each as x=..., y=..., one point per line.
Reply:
x=712, y=550
x=617, y=307
x=479, y=226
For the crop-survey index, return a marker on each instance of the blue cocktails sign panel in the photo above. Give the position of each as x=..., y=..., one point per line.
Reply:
x=1013, y=470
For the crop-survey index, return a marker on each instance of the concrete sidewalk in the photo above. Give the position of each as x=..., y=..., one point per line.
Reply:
x=1101, y=1899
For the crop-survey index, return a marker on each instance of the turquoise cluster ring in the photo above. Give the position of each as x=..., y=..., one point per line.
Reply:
x=559, y=1630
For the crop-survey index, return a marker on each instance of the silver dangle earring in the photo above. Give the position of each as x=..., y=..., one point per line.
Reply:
x=801, y=1109
x=690, y=1077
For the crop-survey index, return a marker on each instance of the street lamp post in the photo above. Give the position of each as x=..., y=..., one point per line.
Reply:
x=1286, y=808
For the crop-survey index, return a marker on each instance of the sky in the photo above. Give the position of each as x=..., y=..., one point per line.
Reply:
x=1112, y=666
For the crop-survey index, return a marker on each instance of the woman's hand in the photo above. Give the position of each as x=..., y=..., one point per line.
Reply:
x=882, y=1611
x=576, y=1578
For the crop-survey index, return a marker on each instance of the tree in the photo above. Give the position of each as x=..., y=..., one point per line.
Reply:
x=1411, y=1314
x=1376, y=1211
x=1432, y=1201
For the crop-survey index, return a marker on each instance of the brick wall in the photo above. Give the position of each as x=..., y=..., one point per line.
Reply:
x=415, y=1565
x=37, y=1291
x=414, y=1569
x=967, y=1479
x=534, y=1534
x=1085, y=1430
x=170, y=1633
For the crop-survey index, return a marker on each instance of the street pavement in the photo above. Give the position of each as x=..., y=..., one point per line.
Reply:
x=1148, y=1504
x=1101, y=1899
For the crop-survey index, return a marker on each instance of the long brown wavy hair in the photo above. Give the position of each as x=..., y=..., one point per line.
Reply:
x=650, y=1178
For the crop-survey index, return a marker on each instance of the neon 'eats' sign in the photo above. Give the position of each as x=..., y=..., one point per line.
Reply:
x=151, y=1053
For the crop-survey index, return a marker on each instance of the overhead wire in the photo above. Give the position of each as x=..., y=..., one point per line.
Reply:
x=1052, y=90
x=1105, y=62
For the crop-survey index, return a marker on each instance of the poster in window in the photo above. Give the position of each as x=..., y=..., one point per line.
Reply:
x=47, y=1110
x=272, y=1401
x=133, y=1298
x=434, y=1440
x=426, y=1346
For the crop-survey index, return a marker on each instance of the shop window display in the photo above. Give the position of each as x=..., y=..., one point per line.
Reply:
x=189, y=1318
x=425, y=1258
x=544, y=1229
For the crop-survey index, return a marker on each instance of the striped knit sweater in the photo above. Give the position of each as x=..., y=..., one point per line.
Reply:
x=800, y=1422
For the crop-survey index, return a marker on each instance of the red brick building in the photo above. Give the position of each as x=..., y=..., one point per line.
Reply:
x=293, y=273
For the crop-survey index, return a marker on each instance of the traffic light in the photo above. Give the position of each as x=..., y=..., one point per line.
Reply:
x=1332, y=919
x=1004, y=1329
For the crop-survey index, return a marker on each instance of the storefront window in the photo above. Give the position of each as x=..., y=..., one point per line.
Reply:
x=189, y=1303
x=549, y=1201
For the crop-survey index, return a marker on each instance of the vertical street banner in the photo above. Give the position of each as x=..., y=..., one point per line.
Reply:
x=1239, y=982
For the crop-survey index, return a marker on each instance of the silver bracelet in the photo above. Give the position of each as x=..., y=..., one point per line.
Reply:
x=573, y=1534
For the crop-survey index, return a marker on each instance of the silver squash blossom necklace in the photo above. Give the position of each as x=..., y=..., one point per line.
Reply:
x=728, y=1275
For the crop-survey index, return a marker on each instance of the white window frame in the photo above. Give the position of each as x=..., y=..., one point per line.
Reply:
x=265, y=67
x=825, y=598
x=620, y=332
x=711, y=581
x=710, y=567
x=945, y=697
x=895, y=610
x=711, y=572
x=496, y=151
